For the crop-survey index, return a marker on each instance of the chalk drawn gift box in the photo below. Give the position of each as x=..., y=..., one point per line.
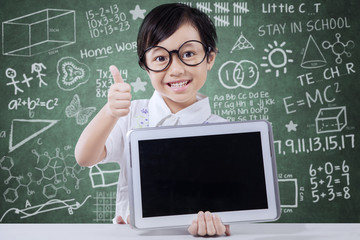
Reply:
x=38, y=32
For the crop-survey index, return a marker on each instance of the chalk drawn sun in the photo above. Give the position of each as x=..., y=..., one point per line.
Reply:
x=277, y=58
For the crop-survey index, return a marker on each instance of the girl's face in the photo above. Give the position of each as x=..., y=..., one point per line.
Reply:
x=179, y=83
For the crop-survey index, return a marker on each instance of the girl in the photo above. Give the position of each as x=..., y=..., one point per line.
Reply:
x=176, y=46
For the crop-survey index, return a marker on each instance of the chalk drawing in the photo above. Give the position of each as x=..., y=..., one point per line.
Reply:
x=240, y=7
x=241, y=44
x=221, y=7
x=37, y=126
x=289, y=184
x=53, y=32
x=204, y=7
x=71, y=73
x=313, y=57
x=339, y=48
x=38, y=67
x=138, y=85
x=243, y=74
x=49, y=206
x=277, y=58
x=55, y=170
x=221, y=21
x=138, y=13
x=291, y=126
x=80, y=113
x=332, y=119
x=103, y=175
x=237, y=21
x=105, y=206
x=11, y=73
x=11, y=194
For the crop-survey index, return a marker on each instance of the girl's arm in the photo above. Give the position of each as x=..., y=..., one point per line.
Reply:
x=90, y=148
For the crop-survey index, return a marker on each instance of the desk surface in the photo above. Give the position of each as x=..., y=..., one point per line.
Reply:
x=238, y=231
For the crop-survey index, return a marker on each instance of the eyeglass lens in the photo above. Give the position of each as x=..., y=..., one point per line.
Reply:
x=191, y=53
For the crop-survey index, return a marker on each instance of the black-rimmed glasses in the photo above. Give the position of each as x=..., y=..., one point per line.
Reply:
x=158, y=58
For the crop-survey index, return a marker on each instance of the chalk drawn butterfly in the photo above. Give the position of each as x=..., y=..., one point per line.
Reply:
x=76, y=110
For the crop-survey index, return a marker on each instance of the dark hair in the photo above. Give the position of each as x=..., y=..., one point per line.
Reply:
x=161, y=22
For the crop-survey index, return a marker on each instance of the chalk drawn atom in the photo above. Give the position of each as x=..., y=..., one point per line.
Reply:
x=339, y=48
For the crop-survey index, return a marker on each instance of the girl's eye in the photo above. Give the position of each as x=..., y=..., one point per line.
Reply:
x=160, y=59
x=188, y=54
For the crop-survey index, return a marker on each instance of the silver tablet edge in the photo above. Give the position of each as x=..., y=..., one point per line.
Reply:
x=276, y=182
x=130, y=181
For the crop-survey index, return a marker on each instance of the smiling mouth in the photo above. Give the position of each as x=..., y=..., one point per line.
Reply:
x=178, y=84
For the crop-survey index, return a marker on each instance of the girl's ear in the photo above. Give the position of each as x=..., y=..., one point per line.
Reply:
x=211, y=59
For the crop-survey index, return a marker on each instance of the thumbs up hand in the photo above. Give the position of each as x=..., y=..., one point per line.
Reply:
x=119, y=95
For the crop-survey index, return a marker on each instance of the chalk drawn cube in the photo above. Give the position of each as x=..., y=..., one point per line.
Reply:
x=38, y=32
x=331, y=120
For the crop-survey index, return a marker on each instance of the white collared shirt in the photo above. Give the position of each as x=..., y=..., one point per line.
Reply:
x=149, y=113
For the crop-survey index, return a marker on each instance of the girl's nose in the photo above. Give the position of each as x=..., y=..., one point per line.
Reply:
x=176, y=67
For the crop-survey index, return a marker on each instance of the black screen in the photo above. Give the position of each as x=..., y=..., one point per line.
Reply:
x=208, y=173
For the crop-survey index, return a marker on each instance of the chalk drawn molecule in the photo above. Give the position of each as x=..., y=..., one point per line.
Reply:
x=55, y=170
x=339, y=48
x=11, y=195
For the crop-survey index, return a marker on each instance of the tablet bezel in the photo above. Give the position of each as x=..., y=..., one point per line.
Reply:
x=133, y=171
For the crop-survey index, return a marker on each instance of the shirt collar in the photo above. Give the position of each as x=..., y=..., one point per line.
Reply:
x=160, y=114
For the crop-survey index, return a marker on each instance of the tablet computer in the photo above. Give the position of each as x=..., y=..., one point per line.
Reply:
x=225, y=168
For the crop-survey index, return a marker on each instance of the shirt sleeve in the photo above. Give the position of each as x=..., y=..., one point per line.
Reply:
x=115, y=143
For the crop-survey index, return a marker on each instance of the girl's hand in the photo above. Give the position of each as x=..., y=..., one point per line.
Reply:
x=119, y=96
x=208, y=224
x=120, y=220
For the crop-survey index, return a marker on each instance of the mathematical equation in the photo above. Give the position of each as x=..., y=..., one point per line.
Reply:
x=330, y=181
x=104, y=80
x=31, y=104
x=106, y=21
x=315, y=144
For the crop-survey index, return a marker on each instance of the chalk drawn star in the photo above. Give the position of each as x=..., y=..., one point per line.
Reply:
x=138, y=85
x=291, y=126
x=137, y=13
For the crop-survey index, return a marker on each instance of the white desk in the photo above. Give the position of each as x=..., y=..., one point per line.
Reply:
x=119, y=232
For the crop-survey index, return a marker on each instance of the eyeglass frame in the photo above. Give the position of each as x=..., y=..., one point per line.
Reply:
x=143, y=64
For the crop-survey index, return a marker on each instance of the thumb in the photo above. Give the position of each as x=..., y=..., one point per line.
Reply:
x=116, y=74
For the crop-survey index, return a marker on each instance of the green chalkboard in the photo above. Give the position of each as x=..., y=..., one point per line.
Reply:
x=293, y=63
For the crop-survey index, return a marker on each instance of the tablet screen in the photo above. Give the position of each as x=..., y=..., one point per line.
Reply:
x=216, y=173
